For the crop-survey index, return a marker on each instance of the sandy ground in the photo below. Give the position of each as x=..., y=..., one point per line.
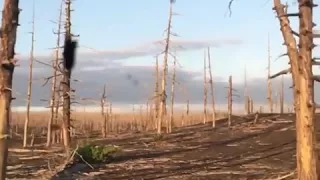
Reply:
x=247, y=151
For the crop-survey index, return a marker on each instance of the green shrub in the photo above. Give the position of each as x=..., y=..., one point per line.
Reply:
x=96, y=154
x=158, y=137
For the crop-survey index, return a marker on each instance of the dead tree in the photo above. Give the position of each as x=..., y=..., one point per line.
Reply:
x=54, y=90
x=188, y=110
x=148, y=116
x=10, y=23
x=282, y=96
x=110, y=117
x=251, y=105
x=156, y=92
x=134, y=124
x=69, y=58
x=169, y=126
x=29, y=93
x=163, y=94
x=270, y=101
x=230, y=101
x=103, y=112
x=211, y=91
x=301, y=62
x=246, y=94
x=231, y=93
x=205, y=90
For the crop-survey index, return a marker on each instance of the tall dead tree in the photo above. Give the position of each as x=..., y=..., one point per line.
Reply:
x=69, y=58
x=301, y=62
x=270, y=101
x=205, y=90
x=211, y=91
x=10, y=23
x=29, y=93
x=54, y=90
x=163, y=94
x=169, y=127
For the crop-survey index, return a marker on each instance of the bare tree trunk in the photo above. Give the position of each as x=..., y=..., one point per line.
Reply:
x=188, y=110
x=110, y=117
x=104, y=115
x=58, y=97
x=212, y=91
x=165, y=72
x=270, y=102
x=134, y=121
x=246, y=94
x=66, y=86
x=282, y=96
x=156, y=93
x=10, y=22
x=275, y=103
x=141, y=118
x=172, y=95
x=251, y=106
x=301, y=68
x=308, y=165
x=54, y=84
x=148, y=117
x=230, y=102
x=26, y=122
x=205, y=90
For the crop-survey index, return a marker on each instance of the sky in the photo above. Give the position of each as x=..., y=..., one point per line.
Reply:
x=124, y=24
x=125, y=34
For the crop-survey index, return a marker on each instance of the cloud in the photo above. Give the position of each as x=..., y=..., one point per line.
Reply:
x=96, y=59
x=126, y=84
x=135, y=84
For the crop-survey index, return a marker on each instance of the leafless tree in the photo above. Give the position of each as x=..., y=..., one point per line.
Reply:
x=29, y=93
x=211, y=91
x=10, y=23
x=163, y=94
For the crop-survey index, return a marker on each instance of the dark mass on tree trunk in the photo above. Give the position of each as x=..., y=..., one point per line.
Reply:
x=69, y=53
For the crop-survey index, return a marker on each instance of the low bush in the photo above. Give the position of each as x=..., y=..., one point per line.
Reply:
x=96, y=154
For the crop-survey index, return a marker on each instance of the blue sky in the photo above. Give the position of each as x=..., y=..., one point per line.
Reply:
x=121, y=24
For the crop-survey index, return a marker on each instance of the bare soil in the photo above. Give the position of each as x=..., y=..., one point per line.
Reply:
x=246, y=151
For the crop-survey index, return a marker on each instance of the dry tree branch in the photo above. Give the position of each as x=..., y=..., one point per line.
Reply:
x=283, y=72
x=229, y=7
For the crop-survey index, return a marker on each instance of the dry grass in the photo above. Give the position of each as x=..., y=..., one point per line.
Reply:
x=123, y=122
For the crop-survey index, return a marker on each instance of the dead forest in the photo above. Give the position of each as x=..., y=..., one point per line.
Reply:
x=155, y=141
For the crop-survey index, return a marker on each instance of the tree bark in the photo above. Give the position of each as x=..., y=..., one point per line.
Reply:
x=10, y=20
x=307, y=156
x=66, y=87
x=301, y=68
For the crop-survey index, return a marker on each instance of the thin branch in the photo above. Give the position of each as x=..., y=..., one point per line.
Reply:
x=286, y=71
